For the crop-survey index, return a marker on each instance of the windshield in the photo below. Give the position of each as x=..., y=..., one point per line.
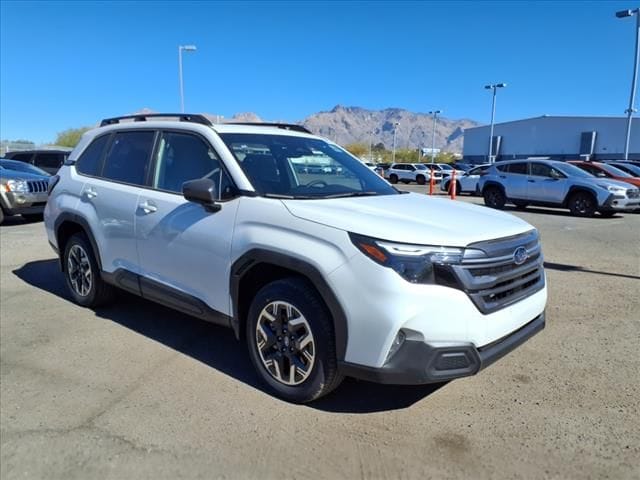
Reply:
x=627, y=167
x=616, y=172
x=420, y=166
x=572, y=170
x=22, y=167
x=444, y=166
x=285, y=166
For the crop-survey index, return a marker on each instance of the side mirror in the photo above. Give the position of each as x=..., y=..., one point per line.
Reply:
x=202, y=191
x=555, y=175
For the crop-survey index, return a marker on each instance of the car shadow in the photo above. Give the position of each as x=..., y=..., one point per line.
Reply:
x=556, y=212
x=561, y=267
x=217, y=347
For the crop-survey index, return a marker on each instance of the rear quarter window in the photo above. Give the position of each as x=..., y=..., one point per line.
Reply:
x=90, y=162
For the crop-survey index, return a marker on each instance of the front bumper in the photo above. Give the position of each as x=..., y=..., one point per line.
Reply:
x=620, y=203
x=417, y=362
x=24, y=203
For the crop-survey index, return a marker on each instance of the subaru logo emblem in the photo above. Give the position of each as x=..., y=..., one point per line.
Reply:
x=520, y=255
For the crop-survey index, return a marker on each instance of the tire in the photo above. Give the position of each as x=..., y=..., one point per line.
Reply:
x=88, y=290
x=494, y=198
x=1, y=216
x=292, y=299
x=520, y=205
x=582, y=204
x=608, y=213
x=458, y=188
x=33, y=217
x=393, y=178
x=421, y=180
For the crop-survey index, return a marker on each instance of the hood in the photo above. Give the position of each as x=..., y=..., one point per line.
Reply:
x=630, y=183
x=411, y=218
x=7, y=174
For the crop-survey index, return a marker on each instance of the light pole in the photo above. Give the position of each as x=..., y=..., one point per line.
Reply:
x=186, y=48
x=395, y=128
x=370, y=149
x=632, y=98
x=493, y=87
x=433, y=134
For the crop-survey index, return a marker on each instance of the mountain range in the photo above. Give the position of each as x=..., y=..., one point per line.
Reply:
x=346, y=125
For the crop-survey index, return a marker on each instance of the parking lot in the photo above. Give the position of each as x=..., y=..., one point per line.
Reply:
x=140, y=391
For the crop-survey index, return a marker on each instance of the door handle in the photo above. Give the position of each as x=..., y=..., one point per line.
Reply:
x=148, y=207
x=531, y=181
x=90, y=193
x=502, y=176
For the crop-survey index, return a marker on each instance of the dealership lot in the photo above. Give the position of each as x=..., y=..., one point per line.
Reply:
x=138, y=390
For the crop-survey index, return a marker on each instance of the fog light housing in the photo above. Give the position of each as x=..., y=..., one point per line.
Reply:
x=396, y=344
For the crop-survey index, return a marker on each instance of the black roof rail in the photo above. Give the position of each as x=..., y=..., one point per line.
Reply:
x=142, y=117
x=285, y=126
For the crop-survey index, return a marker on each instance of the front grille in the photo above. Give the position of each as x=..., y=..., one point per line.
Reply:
x=633, y=193
x=495, y=281
x=38, y=186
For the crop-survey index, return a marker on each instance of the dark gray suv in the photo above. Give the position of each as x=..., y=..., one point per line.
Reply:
x=23, y=190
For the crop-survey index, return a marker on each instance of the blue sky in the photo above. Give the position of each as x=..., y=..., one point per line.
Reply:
x=68, y=64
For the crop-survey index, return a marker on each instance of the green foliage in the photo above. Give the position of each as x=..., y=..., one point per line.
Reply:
x=70, y=137
x=360, y=150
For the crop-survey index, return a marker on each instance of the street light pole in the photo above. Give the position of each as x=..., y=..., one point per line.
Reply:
x=395, y=128
x=186, y=48
x=370, y=149
x=632, y=97
x=493, y=87
x=433, y=133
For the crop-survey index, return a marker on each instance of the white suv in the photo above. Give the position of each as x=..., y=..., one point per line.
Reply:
x=322, y=274
x=411, y=172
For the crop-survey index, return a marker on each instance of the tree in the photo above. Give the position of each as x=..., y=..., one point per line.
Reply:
x=70, y=137
x=360, y=150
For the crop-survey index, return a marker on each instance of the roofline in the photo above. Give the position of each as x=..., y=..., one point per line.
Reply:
x=593, y=117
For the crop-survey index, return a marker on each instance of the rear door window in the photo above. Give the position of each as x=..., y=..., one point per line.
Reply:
x=48, y=160
x=540, y=170
x=518, y=168
x=128, y=157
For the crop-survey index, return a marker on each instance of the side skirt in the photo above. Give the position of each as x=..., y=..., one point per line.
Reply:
x=165, y=295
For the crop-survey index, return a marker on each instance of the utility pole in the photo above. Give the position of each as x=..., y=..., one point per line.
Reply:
x=433, y=133
x=493, y=87
x=632, y=98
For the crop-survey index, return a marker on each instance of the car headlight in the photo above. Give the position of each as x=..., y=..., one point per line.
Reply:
x=613, y=188
x=414, y=263
x=18, y=186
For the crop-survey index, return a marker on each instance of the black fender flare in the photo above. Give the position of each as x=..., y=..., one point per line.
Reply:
x=579, y=188
x=493, y=184
x=84, y=224
x=257, y=256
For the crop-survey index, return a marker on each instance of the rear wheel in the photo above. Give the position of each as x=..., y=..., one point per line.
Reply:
x=82, y=274
x=421, y=180
x=291, y=341
x=1, y=216
x=582, y=204
x=494, y=198
x=393, y=178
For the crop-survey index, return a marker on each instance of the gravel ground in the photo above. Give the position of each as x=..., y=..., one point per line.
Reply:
x=139, y=391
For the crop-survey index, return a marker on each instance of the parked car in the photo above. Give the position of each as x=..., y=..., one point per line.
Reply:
x=23, y=190
x=604, y=170
x=322, y=276
x=411, y=172
x=463, y=166
x=445, y=170
x=48, y=160
x=555, y=184
x=466, y=182
x=627, y=167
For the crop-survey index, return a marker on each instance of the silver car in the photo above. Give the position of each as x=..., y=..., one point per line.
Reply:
x=555, y=184
x=23, y=190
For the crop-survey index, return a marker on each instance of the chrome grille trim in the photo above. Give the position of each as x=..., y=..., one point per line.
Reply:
x=495, y=282
x=38, y=186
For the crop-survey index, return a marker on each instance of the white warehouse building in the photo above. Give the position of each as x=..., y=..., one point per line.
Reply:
x=557, y=137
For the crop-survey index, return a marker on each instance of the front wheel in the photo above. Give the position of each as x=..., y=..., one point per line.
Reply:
x=494, y=198
x=393, y=178
x=291, y=341
x=582, y=204
x=420, y=180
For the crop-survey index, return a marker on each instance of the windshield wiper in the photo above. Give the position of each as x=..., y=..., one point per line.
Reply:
x=351, y=194
x=288, y=197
